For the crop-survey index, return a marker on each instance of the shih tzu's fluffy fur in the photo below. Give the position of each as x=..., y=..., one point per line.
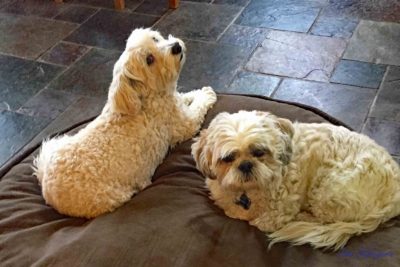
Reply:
x=115, y=156
x=300, y=182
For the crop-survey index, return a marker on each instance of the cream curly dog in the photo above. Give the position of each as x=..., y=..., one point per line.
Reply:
x=301, y=182
x=115, y=156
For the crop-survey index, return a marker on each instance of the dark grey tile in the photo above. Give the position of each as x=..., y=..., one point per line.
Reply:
x=5, y=2
x=211, y=64
x=129, y=4
x=376, y=42
x=297, y=55
x=253, y=83
x=397, y=159
x=153, y=7
x=244, y=36
x=387, y=104
x=21, y=79
x=28, y=37
x=358, y=73
x=231, y=2
x=15, y=131
x=385, y=10
x=289, y=15
x=385, y=133
x=334, y=27
x=110, y=29
x=84, y=109
x=90, y=76
x=77, y=14
x=198, y=21
x=48, y=103
x=40, y=8
x=347, y=103
x=64, y=53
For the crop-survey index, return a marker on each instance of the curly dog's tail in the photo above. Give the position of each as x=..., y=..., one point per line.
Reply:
x=334, y=235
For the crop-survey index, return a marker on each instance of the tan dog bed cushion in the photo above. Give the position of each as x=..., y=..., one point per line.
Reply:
x=170, y=223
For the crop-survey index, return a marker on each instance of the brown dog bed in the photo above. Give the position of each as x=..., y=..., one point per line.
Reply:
x=170, y=223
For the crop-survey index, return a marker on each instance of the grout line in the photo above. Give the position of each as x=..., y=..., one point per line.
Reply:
x=315, y=20
x=276, y=88
x=233, y=21
x=380, y=88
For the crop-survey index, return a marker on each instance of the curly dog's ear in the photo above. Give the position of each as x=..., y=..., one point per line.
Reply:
x=202, y=155
x=123, y=96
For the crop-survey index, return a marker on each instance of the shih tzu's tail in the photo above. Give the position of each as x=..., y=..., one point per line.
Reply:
x=334, y=235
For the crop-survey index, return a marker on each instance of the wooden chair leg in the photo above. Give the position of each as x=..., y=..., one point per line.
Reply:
x=119, y=4
x=173, y=4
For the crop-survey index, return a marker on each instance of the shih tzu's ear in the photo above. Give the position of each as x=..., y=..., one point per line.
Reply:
x=202, y=155
x=123, y=96
x=287, y=129
x=286, y=126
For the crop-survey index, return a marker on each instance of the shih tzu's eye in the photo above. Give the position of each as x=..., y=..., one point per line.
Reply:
x=150, y=59
x=258, y=152
x=229, y=158
x=155, y=39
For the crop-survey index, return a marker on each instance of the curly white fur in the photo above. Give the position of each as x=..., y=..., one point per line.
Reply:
x=311, y=183
x=113, y=157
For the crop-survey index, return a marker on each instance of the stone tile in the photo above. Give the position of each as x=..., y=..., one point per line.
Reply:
x=40, y=8
x=64, y=53
x=376, y=42
x=15, y=131
x=243, y=36
x=21, y=79
x=211, y=64
x=153, y=7
x=109, y=29
x=90, y=76
x=5, y=2
x=387, y=104
x=28, y=37
x=198, y=21
x=48, y=103
x=231, y=2
x=358, y=73
x=77, y=14
x=334, y=27
x=129, y=4
x=83, y=109
x=253, y=83
x=347, y=103
x=385, y=10
x=297, y=55
x=289, y=15
x=385, y=133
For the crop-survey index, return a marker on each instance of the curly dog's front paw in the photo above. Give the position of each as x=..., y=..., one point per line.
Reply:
x=210, y=95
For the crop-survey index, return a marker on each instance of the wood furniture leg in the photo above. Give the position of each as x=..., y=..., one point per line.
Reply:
x=173, y=4
x=119, y=4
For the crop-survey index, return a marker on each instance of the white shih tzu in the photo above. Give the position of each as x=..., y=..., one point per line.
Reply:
x=300, y=182
x=113, y=157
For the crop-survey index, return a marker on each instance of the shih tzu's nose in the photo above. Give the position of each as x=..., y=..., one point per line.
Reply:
x=245, y=166
x=176, y=49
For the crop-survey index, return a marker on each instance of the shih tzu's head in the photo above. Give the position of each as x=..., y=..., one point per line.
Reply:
x=244, y=149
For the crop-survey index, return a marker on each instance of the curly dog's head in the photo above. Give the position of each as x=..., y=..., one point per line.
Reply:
x=244, y=149
x=150, y=65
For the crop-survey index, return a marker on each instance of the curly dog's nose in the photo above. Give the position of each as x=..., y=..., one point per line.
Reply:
x=245, y=167
x=176, y=49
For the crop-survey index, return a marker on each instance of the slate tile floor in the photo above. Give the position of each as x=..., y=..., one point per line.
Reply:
x=342, y=56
